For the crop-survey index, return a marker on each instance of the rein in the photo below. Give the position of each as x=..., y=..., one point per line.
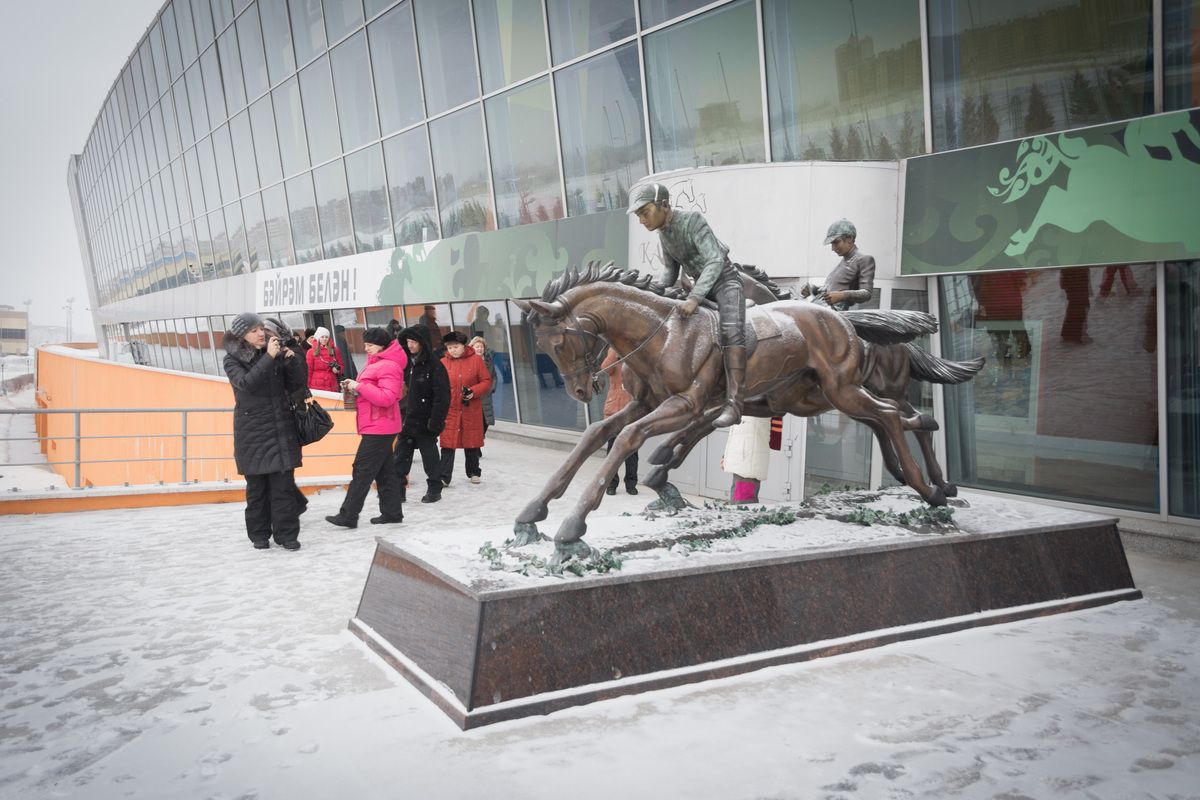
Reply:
x=589, y=361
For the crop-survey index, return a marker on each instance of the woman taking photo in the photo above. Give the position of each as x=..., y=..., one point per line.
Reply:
x=379, y=388
x=325, y=367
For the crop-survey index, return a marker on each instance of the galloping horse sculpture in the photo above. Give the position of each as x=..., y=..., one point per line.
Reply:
x=807, y=359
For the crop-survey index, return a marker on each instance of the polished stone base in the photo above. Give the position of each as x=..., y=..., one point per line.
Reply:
x=485, y=656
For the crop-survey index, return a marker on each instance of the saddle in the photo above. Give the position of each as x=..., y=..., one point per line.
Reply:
x=760, y=325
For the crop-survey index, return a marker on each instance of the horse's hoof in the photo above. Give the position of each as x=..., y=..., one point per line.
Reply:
x=927, y=423
x=572, y=529
x=566, y=551
x=950, y=490
x=669, y=501
x=937, y=497
x=527, y=533
x=536, y=511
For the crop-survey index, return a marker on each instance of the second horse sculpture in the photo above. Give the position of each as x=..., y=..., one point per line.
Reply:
x=806, y=360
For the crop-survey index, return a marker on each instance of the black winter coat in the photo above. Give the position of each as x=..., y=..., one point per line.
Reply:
x=264, y=435
x=427, y=386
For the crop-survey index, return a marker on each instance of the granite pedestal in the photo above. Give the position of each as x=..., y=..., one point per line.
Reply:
x=485, y=648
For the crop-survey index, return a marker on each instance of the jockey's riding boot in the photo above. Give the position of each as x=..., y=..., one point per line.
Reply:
x=735, y=379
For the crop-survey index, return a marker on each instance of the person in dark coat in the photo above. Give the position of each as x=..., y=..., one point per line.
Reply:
x=424, y=410
x=379, y=388
x=339, y=339
x=469, y=382
x=267, y=375
x=479, y=345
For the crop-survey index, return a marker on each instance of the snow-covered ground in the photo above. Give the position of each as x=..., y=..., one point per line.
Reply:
x=154, y=654
x=15, y=448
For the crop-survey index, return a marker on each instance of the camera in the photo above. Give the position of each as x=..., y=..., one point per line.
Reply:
x=466, y=396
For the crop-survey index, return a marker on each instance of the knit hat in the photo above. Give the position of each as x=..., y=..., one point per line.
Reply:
x=243, y=324
x=377, y=336
x=321, y=332
x=454, y=337
x=276, y=328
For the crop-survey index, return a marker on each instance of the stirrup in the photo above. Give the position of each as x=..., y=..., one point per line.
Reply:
x=730, y=415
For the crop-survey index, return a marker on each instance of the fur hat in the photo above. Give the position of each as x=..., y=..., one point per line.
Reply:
x=244, y=323
x=454, y=337
x=377, y=336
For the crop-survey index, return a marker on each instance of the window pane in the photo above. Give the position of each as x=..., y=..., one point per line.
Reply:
x=254, y=62
x=202, y=14
x=222, y=11
x=196, y=104
x=195, y=187
x=159, y=56
x=208, y=173
x=520, y=129
x=171, y=42
x=1052, y=340
x=341, y=17
x=320, y=116
x=266, y=145
x=658, y=11
x=581, y=26
x=1183, y=385
x=355, y=100
x=368, y=199
x=204, y=252
x=842, y=86
x=160, y=138
x=187, y=31
x=444, y=30
x=277, y=39
x=410, y=186
x=182, y=196
x=464, y=197
x=231, y=70
x=512, y=40
x=239, y=256
x=256, y=232
x=220, y=245
x=308, y=29
x=279, y=231
x=375, y=6
x=600, y=124
x=302, y=209
x=539, y=384
x=213, y=94
x=694, y=70
x=394, y=53
x=243, y=152
x=1001, y=70
x=289, y=124
x=333, y=209
x=226, y=167
x=1181, y=54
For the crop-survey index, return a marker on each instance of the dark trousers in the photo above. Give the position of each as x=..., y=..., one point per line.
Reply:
x=473, y=454
x=373, y=462
x=431, y=459
x=272, y=507
x=631, y=464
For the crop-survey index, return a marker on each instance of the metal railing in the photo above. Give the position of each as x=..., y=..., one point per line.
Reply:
x=78, y=438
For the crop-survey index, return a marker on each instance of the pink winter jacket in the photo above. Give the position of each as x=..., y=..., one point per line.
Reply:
x=380, y=387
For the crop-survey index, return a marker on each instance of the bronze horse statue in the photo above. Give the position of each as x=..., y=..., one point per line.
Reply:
x=808, y=359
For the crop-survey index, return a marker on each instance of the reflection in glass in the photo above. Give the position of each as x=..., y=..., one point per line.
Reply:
x=277, y=39
x=204, y=269
x=214, y=95
x=487, y=319
x=195, y=93
x=220, y=245
x=279, y=232
x=208, y=173
x=1001, y=71
x=512, y=40
x=231, y=70
x=226, y=169
x=1182, y=288
x=289, y=123
x=704, y=90
x=410, y=187
x=539, y=384
x=844, y=84
x=394, y=53
x=368, y=199
x=1052, y=340
x=256, y=233
x=320, y=116
x=655, y=12
x=580, y=26
x=266, y=144
x=239, y=254
x=243, y=152
x=341, y=17
x=333, y=209
x=195, y=187
x=355, y=98
x=308, y=29
x=1181, y=54
x=254, y=62
x=524, y=156
x=447, y=68
x=302, y=209
x=600, y=124
x=462, y=181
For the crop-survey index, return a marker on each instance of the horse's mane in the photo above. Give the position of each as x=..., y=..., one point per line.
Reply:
x=762, y=277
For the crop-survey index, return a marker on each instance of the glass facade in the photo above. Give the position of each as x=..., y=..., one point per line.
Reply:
x=1182, y=345
x=524, y=162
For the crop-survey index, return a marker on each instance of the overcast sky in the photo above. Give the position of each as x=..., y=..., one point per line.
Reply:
x=58, y=59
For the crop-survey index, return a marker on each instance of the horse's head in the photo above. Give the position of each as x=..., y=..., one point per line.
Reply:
x=572, y=342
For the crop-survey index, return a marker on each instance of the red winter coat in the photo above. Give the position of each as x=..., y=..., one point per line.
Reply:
x=464, y=425
x=320, y=369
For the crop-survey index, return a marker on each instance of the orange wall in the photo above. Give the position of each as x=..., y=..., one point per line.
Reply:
x=67, y=382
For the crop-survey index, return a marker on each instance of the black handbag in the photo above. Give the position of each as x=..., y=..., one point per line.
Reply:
x=312, y=421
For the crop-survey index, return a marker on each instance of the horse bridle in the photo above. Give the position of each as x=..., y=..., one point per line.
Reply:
x=590, y=359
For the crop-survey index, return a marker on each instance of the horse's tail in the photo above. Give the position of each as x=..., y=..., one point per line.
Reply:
x=923, y=366
x=890, y=327
x=762, y=277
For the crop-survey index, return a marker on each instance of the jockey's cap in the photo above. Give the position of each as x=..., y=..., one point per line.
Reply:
x=843, y=227
x=648, y=193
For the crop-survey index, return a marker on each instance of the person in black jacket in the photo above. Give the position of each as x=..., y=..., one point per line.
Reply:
x=426, y=401
x=266, y=375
